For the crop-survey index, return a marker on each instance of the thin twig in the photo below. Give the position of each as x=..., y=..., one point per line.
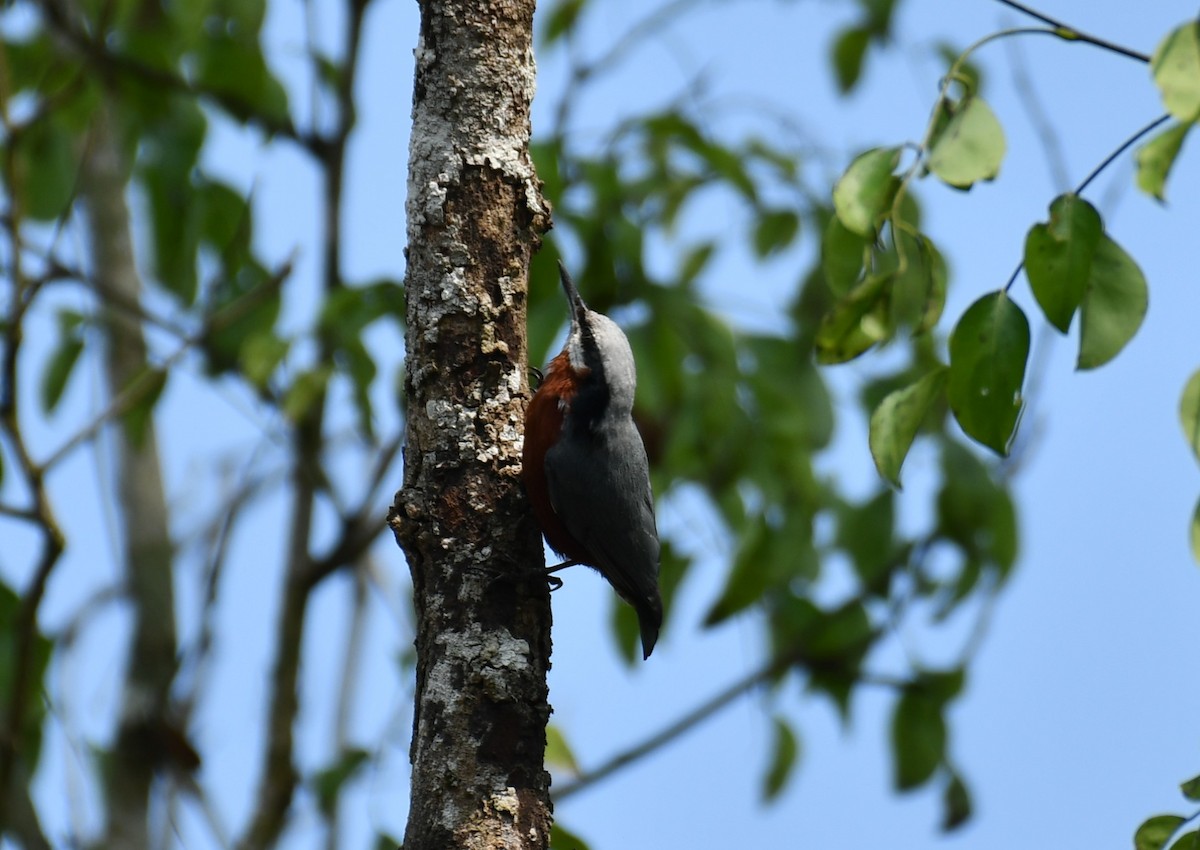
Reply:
x=278, y=776
x=146, y=383
x=25, y=631
x=347, y=692
x=1108, y=160
x=219, y=537
x=1069, y=33
x=360, y=529
x=676, y=729
x=1126, y=145
x=57, y=270
x=773, y=668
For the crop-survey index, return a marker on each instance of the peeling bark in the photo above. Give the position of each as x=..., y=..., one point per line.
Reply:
x=475, y=215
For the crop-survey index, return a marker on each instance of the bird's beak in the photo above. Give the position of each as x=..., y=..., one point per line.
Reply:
x=578, y=308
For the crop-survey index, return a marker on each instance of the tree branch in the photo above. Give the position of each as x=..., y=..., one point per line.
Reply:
x=678, y=728
x=147, y=381
x=278, y=779
x=145, y=526
x=40, y=514
x=1069, y=33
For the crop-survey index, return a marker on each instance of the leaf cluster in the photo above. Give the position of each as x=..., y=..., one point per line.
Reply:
x=743, y=418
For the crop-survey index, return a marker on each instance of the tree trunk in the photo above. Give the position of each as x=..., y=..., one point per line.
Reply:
x=475, y=215
x=141, y=503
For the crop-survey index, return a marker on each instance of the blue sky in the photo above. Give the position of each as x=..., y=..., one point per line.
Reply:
x=1082, y=711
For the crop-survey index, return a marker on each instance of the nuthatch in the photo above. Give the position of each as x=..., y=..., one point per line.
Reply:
x=585, y=465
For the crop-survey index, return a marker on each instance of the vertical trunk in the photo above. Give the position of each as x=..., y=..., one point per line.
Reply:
x=141, y=502
x=475, y=215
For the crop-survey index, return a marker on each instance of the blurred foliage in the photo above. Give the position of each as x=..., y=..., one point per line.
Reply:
x=164, y=75
x=744, y=417
x=31, y=679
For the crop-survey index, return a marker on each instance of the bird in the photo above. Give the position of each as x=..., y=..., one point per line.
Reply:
x=584, y=463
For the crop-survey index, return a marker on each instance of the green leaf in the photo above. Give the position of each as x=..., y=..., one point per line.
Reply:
x=347, y=312
x=866, y=533
x=224, y=220
x=558, y=751
x=695, y=261
x=1187, y=841
x=1155, y=158
x=841, y=256
x=943, y=685
x=356, y=362
x=243, y=304
x=1058, y=257
x=562, y=838
x=1191, y=789
x=1189, y=412
x=260, y=356
x=956, y=804
x=327, y=783
x=768, y=555
x=39, y=649
x=895, y=422
x=918, y=739
x=45, y=166
x=792, y=401
x=853, y=326
x=774, y=231
x=836, y=685
x=1176, y=69
x=919, y=293
x=166, y=167
x=62, y=361
x=35, y=63
x=785, y=749
x=866, y=190
x=305, y=392
x=175, y=225
x=1195, y=533
x=330, y=72
x=561, y=20
x=1113, y=307
x=849, y=50
x=1155, y=832
x=669, y=131
x=973, y=510
x=988, y=352
x=970, y=146
x=232, y=64
x=839, y=636
x=242, y=18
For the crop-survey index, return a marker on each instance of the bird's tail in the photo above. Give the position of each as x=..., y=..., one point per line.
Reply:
x=649, y=614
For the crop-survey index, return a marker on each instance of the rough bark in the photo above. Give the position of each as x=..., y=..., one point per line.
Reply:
x=475, y=215
x=142, y=505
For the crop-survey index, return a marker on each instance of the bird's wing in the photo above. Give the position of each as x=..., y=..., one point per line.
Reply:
x=590, y=481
